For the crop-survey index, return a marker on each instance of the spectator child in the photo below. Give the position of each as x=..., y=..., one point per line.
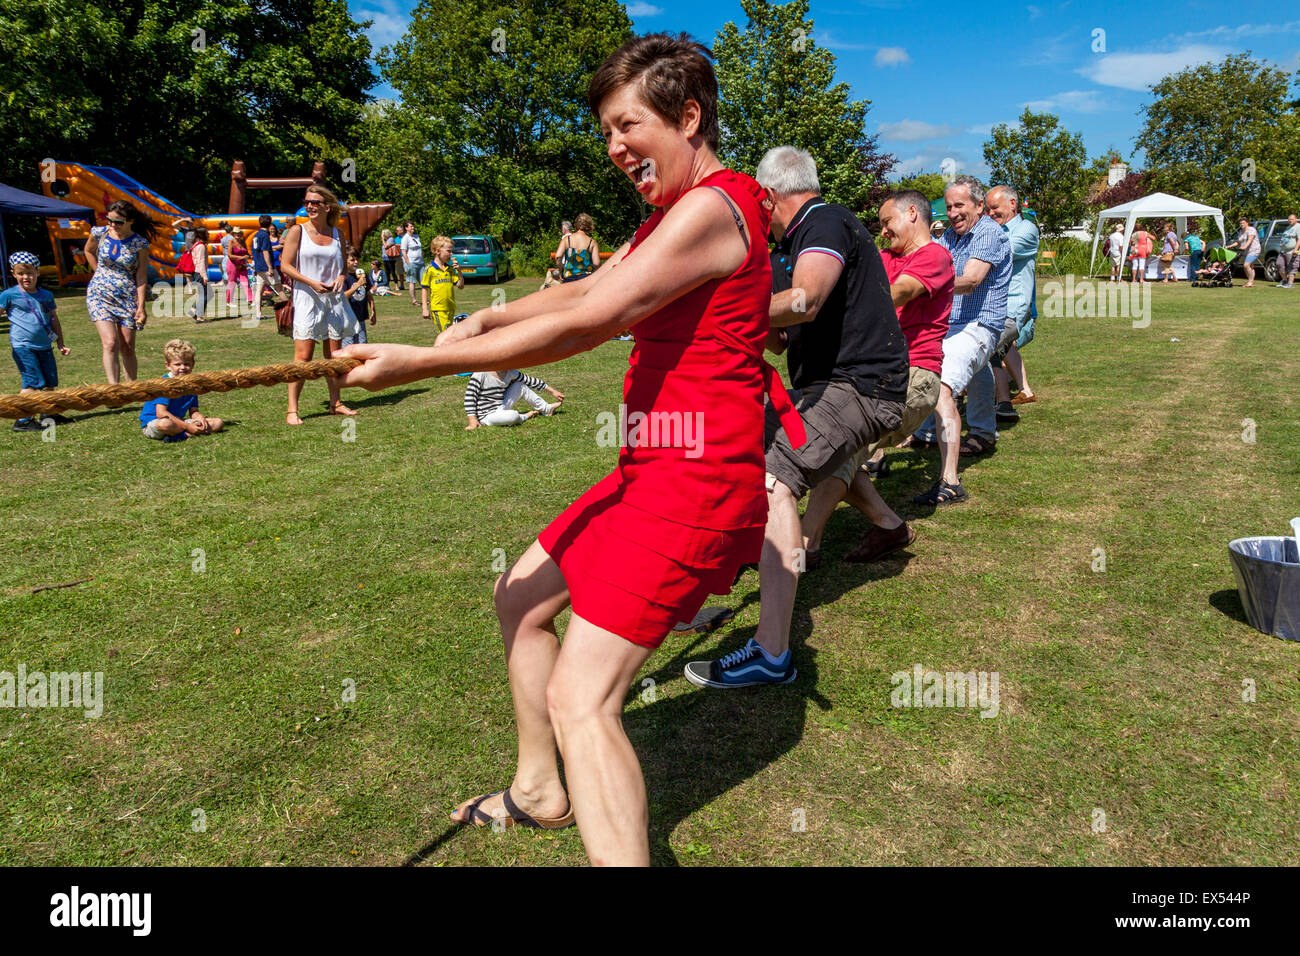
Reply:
x=33, y=322
x=176, y=419
x=490, y=398
x=439, y=283
x=358, y=294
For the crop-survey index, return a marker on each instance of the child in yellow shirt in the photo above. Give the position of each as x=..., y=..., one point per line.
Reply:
x=439, y=283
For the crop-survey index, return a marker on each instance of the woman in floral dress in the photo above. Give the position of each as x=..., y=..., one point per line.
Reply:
x=119, y=256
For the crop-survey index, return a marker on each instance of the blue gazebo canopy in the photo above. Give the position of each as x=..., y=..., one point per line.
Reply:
x=19, y=202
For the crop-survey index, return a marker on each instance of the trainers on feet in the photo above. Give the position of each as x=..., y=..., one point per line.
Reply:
x=743, y=668
x=28, y=425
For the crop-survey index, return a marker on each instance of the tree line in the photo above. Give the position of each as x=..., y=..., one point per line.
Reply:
x=490, y=131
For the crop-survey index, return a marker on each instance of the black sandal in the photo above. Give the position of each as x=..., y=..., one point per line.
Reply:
x=942, y=494
x=878, y=469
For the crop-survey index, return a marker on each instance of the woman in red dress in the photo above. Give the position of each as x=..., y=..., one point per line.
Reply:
x=686, y=505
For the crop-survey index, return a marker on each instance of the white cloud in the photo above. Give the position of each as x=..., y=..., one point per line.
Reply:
x=639, y=8
x=1073, y=101
x=1245, y=30
x=829, y=41
x=390, y=22
x=1053, y=51
x=910, y=131
x=892, y=56
x=983, y=129
x=1138, y=71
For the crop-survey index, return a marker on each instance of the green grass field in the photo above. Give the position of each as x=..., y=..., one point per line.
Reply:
x=327, y=564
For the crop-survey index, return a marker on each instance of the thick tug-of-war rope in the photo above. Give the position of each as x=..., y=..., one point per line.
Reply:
x=83, y=397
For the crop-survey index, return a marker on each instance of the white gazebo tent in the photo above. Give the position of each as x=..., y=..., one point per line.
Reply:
x=1155, y=206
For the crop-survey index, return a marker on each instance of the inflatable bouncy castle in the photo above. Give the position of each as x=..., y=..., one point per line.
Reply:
x=98, y=186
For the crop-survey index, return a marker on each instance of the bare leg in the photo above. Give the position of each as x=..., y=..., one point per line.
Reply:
x=585, y=700
x=1016, y=366
x=528, y=597
x=328, y=348
x=777, y=577
x=111, y=346
x=303, y=349
x=864, y=496
x=822, y=502
x=129, y=367
x=949, y=436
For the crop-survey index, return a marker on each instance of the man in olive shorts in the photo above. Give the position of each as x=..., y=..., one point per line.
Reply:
x=920, y=283
x=848, y=364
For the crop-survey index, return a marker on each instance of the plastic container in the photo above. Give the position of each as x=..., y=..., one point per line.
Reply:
x=1268, y=580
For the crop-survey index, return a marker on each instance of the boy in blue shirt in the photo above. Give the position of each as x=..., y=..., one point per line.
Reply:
x=176, y=419
x=32, y=322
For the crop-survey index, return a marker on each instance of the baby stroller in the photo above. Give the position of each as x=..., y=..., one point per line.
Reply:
x=1217, y=269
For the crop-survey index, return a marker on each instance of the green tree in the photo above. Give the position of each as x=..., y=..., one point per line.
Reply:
x=172, y=91
x=1218, y=134
x=493, y=123
x=929, y=185
x=777, y=89
x=1046, y=164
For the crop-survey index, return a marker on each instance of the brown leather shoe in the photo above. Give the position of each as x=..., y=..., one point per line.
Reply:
x=1020, y=399
x=877, y=543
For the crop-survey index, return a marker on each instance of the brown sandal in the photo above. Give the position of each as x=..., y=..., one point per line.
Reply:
x=514, y=815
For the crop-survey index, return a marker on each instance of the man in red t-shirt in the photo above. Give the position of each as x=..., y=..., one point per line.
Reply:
x=920, y=281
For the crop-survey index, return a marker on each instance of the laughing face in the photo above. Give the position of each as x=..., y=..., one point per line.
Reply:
x=654, y=152
x=963, y=211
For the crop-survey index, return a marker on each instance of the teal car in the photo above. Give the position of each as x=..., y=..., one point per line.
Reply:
x=481, y=257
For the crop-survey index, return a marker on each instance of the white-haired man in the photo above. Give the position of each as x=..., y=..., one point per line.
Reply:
x=831, y=308
x=1003, y=205
x=981, y=260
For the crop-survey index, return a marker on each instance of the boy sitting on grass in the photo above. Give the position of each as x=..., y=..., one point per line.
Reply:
x=33, y=322
x=490, y=398
x=176, y=419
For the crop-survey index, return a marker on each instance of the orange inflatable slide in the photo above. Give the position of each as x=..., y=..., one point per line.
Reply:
x=99, y=186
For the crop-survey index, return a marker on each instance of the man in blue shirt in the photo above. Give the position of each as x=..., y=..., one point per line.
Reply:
x=264, y=265
x=981, y=261
x=1003, y=205
x=33, y=324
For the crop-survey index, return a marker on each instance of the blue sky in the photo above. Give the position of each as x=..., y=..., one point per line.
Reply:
x=939, y=77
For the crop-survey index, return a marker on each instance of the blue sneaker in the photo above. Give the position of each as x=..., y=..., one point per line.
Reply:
x=743, y=668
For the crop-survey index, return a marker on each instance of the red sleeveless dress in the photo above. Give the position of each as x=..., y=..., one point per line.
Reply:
x=686, y=505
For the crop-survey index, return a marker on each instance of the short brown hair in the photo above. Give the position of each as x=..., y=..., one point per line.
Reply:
x=669, y=71
x=583, y=223
x=178, y=349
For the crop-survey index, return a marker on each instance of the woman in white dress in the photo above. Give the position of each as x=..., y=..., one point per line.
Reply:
x=313, y=258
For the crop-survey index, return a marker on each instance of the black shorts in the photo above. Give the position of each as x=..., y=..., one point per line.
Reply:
x=838, y=420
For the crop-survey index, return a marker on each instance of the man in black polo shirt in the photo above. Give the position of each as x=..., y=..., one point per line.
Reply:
x=832, y=309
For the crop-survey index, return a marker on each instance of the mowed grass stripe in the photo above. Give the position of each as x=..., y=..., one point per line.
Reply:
x=1120, y=691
